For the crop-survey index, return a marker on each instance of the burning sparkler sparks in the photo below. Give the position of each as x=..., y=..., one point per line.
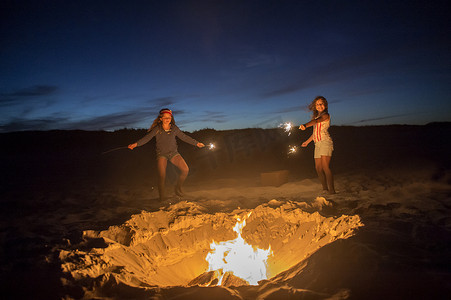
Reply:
x=292, y=149
x=287, y=126
x=211, y=146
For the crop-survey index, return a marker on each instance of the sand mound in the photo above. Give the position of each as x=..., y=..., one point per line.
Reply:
x=167, y=248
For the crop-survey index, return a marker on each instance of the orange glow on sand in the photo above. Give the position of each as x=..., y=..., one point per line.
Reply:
x=178, y=247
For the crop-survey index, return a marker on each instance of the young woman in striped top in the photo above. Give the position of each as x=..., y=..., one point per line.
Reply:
x=323, y=142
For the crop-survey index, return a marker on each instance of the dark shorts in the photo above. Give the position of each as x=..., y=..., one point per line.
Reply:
x=168, y=156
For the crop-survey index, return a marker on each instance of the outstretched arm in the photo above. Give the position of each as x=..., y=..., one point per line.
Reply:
x=144, y=140
x=322, y=118
x=187, y=139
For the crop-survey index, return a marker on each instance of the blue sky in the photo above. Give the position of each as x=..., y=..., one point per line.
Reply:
x=107, y=65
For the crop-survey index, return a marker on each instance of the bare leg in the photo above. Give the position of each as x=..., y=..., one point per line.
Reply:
x=320, y=172
x=161, y=164
x=180, y=163
x=329, y=177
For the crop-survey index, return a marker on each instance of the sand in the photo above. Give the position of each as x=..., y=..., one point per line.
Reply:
x=80, y=225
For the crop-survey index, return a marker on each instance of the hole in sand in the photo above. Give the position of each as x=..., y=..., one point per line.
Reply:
x=169, y=247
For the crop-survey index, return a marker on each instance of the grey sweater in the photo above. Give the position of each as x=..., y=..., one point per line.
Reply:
x=166, y=142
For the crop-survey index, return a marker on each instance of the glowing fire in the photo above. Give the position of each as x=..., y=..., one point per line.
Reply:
x=238, y=257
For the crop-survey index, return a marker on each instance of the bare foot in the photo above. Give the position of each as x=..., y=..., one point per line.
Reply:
x=179, y=192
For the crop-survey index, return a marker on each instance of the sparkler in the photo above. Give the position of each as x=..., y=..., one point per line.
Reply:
x=211, y=146
x=118, y=148
x=287, y=127
x=292, y=149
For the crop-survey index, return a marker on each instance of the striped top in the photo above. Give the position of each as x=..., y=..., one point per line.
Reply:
x=321, y=131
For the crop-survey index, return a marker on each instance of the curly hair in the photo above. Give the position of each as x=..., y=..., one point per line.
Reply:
x=312, y=107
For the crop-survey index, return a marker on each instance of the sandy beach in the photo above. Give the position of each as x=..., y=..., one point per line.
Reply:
x=79, y=224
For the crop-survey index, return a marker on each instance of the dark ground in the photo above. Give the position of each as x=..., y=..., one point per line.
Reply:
x=39, y=169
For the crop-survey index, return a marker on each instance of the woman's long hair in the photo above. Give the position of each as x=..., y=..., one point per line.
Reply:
x=312, y=107
x=158, y=122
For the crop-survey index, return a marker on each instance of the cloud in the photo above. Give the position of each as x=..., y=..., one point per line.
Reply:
x=379, y=118
x=207, y=117
x=213, y=116
x=16, y=97
x=37, y=90
x=114, y=121
x=156, y=104
x=301, y=107
x=365, y=91
x=20, y=124
x=272, y=122
x=106, y=122
x=257, y=59
x=129, y=119
x=161, y=102
x=346, y=68
x=291, y=109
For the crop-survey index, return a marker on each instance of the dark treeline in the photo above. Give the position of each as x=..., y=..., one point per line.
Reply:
x=70, y=158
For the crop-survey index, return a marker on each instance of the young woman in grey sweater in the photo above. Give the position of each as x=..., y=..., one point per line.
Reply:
x=165, y=131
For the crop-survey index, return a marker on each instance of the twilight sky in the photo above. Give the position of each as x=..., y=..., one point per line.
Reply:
x=107, y=65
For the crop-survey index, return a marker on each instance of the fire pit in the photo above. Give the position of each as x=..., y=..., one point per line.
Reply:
x=174, y=247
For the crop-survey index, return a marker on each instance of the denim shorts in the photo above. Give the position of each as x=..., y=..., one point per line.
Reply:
x=323, y=148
